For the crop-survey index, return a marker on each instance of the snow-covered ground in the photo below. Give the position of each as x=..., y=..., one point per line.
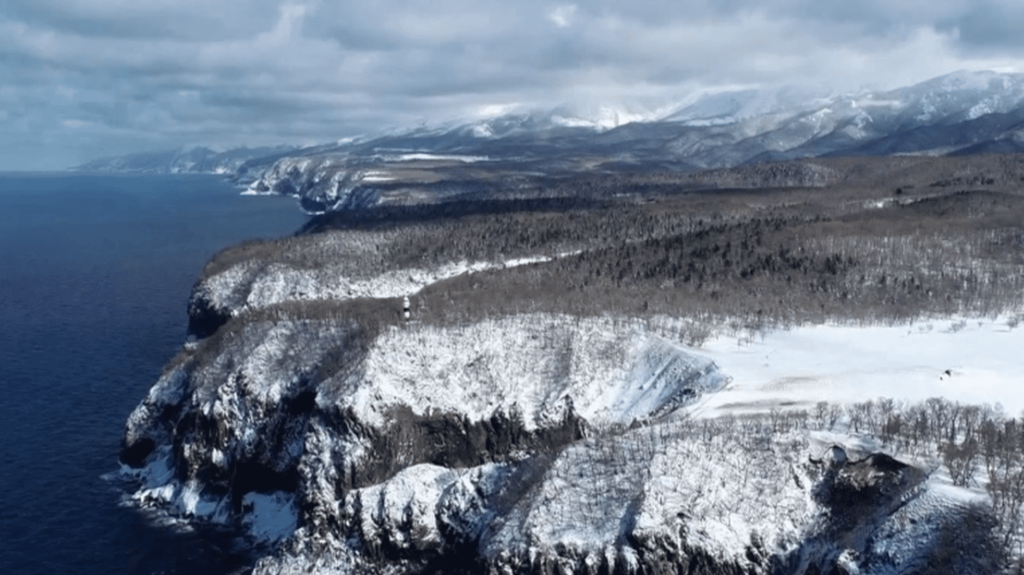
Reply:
x=246, y=286
x=637, y=483
x=734, y=489
x=536, y=365
x=270, y=517
x=972, y=361
x=651, y=483
x=423, y=156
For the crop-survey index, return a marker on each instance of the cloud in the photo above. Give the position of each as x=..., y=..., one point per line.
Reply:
x=562, y=15
x=84, y=78
x=991, y=27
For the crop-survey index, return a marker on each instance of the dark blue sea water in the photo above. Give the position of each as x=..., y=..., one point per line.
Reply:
x=95, y=273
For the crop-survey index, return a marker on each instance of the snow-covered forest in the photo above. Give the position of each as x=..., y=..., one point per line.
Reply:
x=631, y=374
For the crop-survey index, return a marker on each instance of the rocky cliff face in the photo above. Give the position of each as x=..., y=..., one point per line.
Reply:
x=320, y=183
x=533, y=443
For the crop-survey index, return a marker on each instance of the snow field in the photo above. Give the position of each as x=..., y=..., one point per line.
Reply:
x=971, y=361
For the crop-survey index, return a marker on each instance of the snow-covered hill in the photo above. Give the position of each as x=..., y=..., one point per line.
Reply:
x=537, y=442
x=527, y=443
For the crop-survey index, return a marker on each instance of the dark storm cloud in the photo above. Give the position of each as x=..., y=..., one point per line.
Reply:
x=82, y=78
x=989, y=27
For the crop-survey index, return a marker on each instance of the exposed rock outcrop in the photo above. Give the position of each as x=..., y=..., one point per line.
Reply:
x=310, y=409
x=537, y=444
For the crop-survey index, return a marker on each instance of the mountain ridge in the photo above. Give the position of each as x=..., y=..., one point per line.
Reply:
x=960, y=113
x=945, y=100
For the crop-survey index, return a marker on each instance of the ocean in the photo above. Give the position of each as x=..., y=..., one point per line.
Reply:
x=95, y=273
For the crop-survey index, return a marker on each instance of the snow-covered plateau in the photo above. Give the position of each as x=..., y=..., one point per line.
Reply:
x=972, y=361
x=548, y=443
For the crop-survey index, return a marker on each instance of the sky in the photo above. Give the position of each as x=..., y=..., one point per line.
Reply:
x=81, y=79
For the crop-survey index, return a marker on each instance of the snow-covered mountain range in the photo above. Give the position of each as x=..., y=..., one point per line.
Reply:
x=973, y=110
x=961, y=113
